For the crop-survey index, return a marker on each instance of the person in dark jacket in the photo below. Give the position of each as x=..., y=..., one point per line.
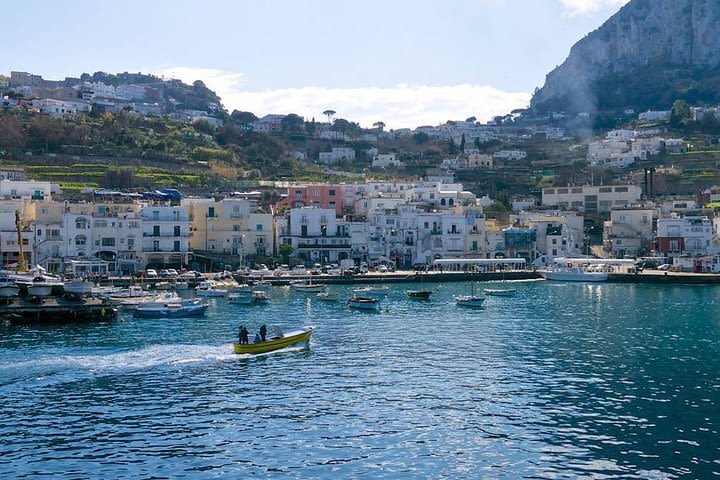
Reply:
x=263, y=333
x=243, y=335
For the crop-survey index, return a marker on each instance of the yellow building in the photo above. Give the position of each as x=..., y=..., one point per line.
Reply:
x=229, y=228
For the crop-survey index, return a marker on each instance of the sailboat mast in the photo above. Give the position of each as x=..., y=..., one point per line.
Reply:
x=22, y=265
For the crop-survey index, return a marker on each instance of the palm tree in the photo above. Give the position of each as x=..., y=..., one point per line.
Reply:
x=379, y=125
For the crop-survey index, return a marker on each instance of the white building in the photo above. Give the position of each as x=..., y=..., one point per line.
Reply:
x=25, y=189
x=628, y=232
x=591, y=199
x=337, y=153
x=685, y=235
x=510, y=155
x=386, y=160
x=655, y=116
x=165, y=231
x=314, y=234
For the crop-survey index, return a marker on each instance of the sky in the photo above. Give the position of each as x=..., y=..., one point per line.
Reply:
x=404, y=62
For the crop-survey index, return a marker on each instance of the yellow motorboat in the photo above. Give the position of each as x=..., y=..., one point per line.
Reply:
x=276, y=341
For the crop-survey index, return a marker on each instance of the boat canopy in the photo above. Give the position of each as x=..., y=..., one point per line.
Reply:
x=594, y=261
x=481, y=263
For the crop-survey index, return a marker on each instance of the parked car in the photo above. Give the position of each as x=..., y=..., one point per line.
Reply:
x=151, y=273
x=381, y=269
x=191, y=274
x=172, y=273
x=664, y=267
x=419, y=267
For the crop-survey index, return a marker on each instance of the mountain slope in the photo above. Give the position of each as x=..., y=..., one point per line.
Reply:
x=648, y=51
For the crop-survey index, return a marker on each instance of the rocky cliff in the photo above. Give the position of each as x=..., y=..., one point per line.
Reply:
x=646, y=53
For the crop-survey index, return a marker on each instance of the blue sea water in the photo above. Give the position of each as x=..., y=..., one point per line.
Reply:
x=562, y=381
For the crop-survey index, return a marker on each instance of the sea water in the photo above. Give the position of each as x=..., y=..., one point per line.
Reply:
x=560, y=381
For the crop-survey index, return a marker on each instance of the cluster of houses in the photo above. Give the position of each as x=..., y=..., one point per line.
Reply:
x=402, y=223
x=65, y=98
x=622, y=148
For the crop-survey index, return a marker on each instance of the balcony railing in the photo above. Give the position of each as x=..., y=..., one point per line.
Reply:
x=165, y=235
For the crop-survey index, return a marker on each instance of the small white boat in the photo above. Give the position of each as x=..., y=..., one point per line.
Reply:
x=500, y=292
x=184, y=308
x=470, y=300
x=375, y=291
x=133, y=291
x=42, y=287
x=181, y=285
x=260, y=296
x=163, y=286
x=364, y=303
x=307, y=287
x=160, y=298
x=242, y=298
x=327, y=297
x=78, y=287
x=8, y=288
x=208, y=288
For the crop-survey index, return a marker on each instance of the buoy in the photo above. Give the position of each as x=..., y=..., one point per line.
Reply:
x=102, y=312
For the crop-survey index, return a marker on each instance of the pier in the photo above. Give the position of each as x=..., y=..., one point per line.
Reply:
x=56, y=310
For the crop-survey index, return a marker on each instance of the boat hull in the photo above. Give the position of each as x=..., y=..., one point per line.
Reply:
x=169, y=312
x=290, y=339
x=419, y=294
x=470, y=302
x=39, y=290
x=364, y=303
x=9, y=291
x=500, y=293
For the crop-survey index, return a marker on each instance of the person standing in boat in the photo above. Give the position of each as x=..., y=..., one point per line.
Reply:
x=243, y=335
x=263, y=332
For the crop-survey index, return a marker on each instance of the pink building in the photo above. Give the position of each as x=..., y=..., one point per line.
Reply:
x=320, y=196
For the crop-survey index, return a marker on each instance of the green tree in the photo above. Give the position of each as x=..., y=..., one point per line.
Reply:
x=420, y=138
x=462, y=143
x=681, y=114
x=452, y=147
x=292, y=123
x=203, y=126
x=242, y=119
x=285, y=250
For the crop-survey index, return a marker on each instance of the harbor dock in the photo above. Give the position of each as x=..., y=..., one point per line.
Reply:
x=56, y=310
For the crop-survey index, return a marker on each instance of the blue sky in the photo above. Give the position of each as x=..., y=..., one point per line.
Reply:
x=404, y=62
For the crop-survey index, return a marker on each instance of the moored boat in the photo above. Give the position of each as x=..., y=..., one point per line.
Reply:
x=78, y=287
x=419, y=294
x=375, y=291
x=184, y=308
x=307, y=287
x=8, y=288
x=260, y=296
x=500, y=292
x=278, y=340
x=469, y=301
x=364, y=303
x=208, y=288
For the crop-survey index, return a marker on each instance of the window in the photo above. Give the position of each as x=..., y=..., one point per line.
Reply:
x=130, y=242
x=101, y=224
x=331, y=193
x=621, y=189
x=176, y=246
x=605, y=189
x=156, y=245
x=80, y=241
x=562, y=191
x=176, y=231
x=316, y=193
x=156, y=214
x=577, y=190
x=258, y=227
x=211, y=212
x=550, y=191
x=81, y=223
x=156, y=230
x=108, y=242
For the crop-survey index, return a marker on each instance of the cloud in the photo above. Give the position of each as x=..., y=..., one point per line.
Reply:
x=398, y=106
x=584, y=7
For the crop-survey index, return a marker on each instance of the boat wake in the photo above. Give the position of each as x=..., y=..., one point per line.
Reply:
x=50, y=369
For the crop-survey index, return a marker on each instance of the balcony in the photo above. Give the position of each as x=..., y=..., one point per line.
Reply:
x=166, y=235
x=317, y=246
